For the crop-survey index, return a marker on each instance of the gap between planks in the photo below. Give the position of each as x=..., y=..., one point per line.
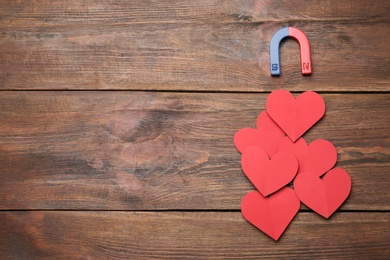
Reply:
x=186, y=91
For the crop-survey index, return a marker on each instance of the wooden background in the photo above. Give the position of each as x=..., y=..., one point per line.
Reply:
x=117, y=121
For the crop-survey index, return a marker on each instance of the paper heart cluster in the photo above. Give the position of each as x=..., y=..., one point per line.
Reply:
x=271, y=160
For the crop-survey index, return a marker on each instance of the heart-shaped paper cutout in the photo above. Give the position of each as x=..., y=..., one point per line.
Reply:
x=295, y=116
x=268, y=175
x=323, y=196
x=271, y=215
x=299, y=149
x=318, y=158
x=267, y=135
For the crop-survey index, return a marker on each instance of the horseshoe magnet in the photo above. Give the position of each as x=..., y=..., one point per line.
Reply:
x=304, y=47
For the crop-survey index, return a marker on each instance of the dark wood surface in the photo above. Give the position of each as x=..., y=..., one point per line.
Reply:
x=147, y=168
x=182, y=45
x=185, y=235
x=145, y=150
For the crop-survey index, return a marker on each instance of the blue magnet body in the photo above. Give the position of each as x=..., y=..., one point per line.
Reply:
x=274, y=50
x=304, y=48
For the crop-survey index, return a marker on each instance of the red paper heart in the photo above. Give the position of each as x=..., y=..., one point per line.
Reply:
x=271, y=215
x=318, y=158
x=326, y=195
x=295, y=116
x=267, y=135
x=268, y=175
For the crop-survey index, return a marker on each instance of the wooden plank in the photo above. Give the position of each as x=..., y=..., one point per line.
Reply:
x=191, y=45
x=183, y=235
x=145, y=150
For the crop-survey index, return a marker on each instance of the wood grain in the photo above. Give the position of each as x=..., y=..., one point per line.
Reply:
x=191, y=45
x=155, y=175
x=146, y=150
x=183, y=235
